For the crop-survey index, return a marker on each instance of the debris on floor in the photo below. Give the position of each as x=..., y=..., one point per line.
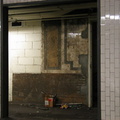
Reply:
x=72, y=106
x=75, y=106
x=64, y=106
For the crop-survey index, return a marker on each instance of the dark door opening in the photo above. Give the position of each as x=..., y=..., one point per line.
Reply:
x=94, y=63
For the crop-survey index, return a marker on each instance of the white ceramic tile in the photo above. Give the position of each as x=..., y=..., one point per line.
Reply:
x=112, y=58
x=102, y=86
x=103, y=49
x=112, y=88
x=112, y=67
x=112, y=10
x=107, y=92
x=32, y=69
x=107, y=72
x=107, y=53
x=107, y=83
x=117, y=73
x=103, y=96
x=107, y=63
x=117, y=92
x=103, y=115
x=112, y=96
x=103, y=105
x=117, y=102
x=117, y=112
x=117, y=53
x=117, y=118
x=108, y=112
x=112, y=106
x=117, y=65
x=103, y=58
x=107, y=6
x=103, y=68
x=111, y=2
x=107, y=45
x=113, y=115
x=117, y=80
x=112, y=48
x=25, y=61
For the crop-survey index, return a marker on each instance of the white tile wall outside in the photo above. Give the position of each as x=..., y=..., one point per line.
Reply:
x=110, y=62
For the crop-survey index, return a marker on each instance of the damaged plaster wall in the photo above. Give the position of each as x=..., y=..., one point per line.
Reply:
x=27, y=58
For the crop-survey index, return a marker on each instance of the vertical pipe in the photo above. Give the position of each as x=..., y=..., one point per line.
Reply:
x=89, y=68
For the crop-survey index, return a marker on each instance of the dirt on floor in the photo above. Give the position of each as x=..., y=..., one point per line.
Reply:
x=22, y=111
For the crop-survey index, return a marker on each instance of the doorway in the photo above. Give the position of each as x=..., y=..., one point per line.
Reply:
x=21, y=94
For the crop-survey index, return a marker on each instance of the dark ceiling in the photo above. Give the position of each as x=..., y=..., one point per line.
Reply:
x=51, y=9
x=47, y=3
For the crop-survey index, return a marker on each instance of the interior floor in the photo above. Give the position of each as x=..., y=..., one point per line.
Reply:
x=21, y=111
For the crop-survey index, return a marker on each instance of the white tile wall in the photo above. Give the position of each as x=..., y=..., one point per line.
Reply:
x=37, y=45
x=36, y=36
x=33, y=69
x=17, y=69
x=25, y=61
x=31, y=53
x=37, y=61
x=110, y=59
x=24, y=50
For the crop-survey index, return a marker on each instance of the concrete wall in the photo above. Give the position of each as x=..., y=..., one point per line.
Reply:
x=110, y=59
